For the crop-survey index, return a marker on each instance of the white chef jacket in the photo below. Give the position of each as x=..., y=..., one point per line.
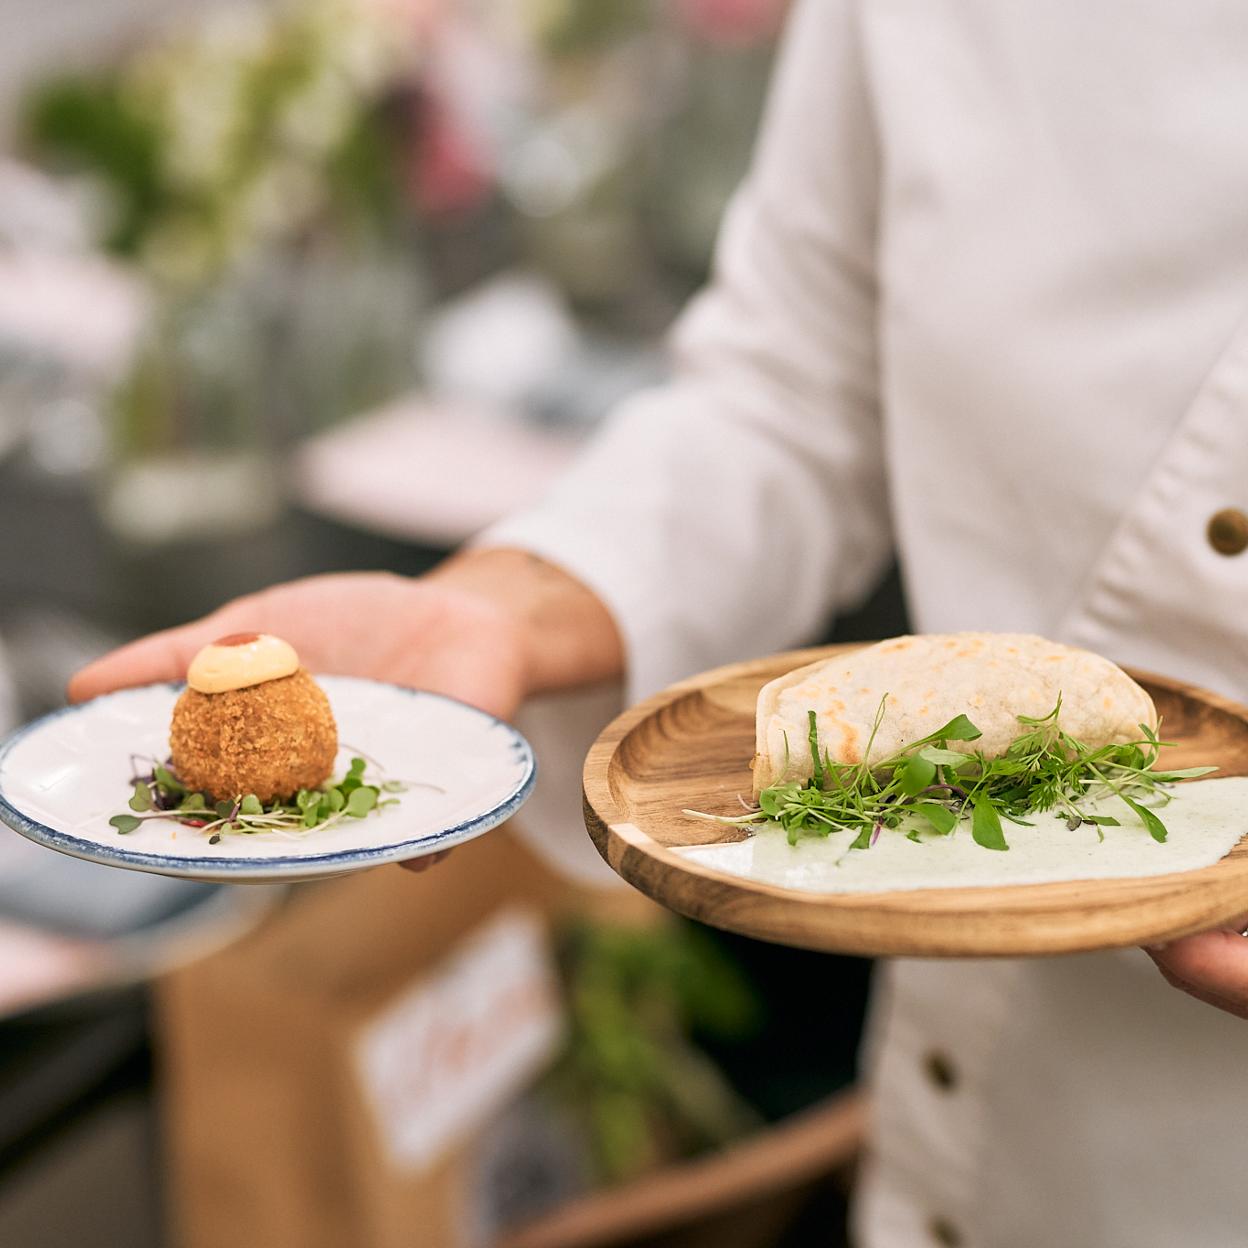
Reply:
x=984, y=298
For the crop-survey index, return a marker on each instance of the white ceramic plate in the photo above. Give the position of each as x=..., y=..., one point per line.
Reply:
x=64, y=776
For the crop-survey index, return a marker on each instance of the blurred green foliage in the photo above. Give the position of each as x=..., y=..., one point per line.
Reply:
x=91, y=124
x=630, y=1072
x=570, y=27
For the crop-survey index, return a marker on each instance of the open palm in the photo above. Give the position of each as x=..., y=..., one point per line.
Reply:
x=420, y=633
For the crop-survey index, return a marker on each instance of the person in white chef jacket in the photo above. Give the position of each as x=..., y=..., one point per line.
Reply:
x=983, y=299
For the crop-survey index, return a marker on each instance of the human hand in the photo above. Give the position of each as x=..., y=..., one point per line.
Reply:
x=489, y=627
x=1212, y=967
x=423, y=633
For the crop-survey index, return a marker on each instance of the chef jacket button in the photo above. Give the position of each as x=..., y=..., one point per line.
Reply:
x=1228, y=531
x=944, y=1232
x=939, y=1069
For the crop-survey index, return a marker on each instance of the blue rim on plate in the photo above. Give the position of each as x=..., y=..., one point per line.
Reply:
x=275, y=868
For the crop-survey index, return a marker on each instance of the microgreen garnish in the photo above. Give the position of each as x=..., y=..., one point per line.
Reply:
x=927, y=786
x=159, y=794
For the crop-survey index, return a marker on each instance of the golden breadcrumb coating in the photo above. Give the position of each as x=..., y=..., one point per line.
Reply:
x=270, y=739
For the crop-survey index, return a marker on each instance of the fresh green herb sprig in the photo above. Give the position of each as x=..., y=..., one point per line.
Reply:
x=927, y=786
x=161, y=795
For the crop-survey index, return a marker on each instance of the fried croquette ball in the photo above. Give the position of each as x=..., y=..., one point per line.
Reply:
x=271, y=736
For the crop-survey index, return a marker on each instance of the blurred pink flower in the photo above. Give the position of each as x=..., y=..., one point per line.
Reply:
x=446, y=173
x=738, y=22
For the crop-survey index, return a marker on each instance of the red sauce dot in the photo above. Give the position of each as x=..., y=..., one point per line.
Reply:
x=237, y=639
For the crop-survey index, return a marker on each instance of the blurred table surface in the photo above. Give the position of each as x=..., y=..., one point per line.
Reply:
x=56, y=555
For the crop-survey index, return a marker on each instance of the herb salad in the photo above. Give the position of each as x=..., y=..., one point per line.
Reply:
x=927, y=787
x=159, y=794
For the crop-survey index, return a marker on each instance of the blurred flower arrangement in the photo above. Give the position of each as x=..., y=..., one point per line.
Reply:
x=245, y=168
x=237, y=133
x=296, y=183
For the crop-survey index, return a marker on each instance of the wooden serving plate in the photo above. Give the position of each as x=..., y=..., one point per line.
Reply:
x=690, y=747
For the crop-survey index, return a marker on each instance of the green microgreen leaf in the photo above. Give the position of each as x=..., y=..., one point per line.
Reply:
x=817, y=761
x=772, y=801
x=945, y=758
x=986, y=826
x=941, y=818
x=863, y=839
x=916, y=774
x=863, y=767
x=1045, y=721
x=1183, y=773
x=168, y=782
x=141, y=798
x=361, y=801
x=124, y=823
x=959, y=728
x=250, y=805
x=1156, y=829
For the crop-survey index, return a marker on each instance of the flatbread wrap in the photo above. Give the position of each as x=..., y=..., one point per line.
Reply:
x=926, y=681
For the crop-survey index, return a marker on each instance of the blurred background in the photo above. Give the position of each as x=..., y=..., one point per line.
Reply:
x=323, y=284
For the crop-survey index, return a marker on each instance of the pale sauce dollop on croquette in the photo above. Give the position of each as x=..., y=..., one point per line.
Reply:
x=240, y=661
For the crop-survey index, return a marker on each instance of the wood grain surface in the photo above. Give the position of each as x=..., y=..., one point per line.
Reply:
x=690, y=747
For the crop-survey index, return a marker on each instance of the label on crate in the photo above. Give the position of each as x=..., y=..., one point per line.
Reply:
x=449, y=1053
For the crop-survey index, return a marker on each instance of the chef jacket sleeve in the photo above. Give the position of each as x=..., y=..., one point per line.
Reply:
x=730, y=512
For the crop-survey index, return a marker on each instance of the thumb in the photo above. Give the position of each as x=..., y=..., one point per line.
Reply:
x=1212, y=966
